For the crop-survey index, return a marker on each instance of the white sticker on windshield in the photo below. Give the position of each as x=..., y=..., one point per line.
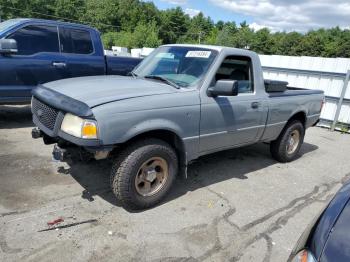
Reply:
x=198, y=54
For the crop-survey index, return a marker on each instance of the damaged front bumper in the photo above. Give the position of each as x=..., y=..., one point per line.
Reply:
x=76, y=153
x=65, y=151
x=59, y=154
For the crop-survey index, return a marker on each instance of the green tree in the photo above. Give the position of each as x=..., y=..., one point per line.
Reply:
x=311, y=44
x=146, y=35
x=102, y=15
x=122, y=38
x=199, y=29
x=343, y=47
x=174, y=25
x=211, y=39
x=72, y=9
x=334, y=39
x=220, y=25
x=287, y=43
x=148, y=13
x=262, y=42
x=226, y=35
x=132, y=12
x=244, y=37
x=27, y=8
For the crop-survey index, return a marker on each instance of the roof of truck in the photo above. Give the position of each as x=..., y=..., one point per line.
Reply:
x=217, y=48
x=214, y=47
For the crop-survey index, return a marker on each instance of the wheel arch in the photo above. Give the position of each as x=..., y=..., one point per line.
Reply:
x=167, y=135
x=300, y=115
x=278, y=147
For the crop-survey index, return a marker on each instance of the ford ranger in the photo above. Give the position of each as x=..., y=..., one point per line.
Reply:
x=181, y=102
x=35, y=51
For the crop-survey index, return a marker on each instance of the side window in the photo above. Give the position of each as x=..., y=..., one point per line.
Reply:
x=35, y=39
x=75, y=41
x=237, y=68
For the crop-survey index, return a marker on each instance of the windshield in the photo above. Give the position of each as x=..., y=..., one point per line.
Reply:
x=184, y=66
x=7, y=24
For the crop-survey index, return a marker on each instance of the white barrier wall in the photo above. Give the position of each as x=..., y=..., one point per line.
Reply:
x=327, y=74
x=141, y=52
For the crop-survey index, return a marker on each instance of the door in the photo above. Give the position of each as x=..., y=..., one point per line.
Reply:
x=38, y=61
x=229, y=121
x=82, y=56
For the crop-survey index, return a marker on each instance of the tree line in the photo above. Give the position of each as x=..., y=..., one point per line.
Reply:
x=134, y=23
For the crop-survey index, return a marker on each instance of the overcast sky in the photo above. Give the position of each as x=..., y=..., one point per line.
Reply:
x=278, y=15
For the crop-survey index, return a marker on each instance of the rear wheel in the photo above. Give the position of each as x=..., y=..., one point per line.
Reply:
x=287, y=146
x=143, y=173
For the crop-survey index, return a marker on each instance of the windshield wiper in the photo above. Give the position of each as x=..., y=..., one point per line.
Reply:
x=163, y=79
x=133, y=74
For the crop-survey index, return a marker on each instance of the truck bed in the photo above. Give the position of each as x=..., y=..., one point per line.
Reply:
x=119, y=65
x=295, y=91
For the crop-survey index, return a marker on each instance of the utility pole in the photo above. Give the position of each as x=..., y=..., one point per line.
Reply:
x=199, y=37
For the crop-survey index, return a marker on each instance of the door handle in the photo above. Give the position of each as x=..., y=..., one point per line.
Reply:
x=255, y=105
x=59, y=64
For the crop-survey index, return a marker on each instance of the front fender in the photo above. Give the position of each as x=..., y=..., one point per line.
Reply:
x=179, y=113
x=118, y=128
x=152, y=125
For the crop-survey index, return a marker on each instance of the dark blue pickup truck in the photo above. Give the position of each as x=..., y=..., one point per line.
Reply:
x=34, y=51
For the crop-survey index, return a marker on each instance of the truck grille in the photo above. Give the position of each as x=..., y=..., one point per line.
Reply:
x=44, y=113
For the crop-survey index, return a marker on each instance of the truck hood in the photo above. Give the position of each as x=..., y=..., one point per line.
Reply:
x=98, y=90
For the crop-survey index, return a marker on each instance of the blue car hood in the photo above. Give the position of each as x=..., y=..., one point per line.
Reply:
x=337, y=244
x=328, y=233
x=98, y=90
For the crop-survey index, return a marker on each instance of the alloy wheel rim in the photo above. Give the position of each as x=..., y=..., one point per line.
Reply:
x=293, y=142
x=151, y=176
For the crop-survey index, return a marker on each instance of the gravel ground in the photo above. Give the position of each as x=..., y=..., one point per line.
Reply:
x=238, y=205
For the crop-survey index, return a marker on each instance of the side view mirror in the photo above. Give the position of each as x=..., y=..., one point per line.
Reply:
x=8, y=46
x=224, y=88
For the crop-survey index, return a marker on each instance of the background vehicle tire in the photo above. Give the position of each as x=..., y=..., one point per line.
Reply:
x=143, y=173
x=286, y=147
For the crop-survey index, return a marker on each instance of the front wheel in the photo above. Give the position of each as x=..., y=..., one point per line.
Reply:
x=287, y=146
x=143, y=173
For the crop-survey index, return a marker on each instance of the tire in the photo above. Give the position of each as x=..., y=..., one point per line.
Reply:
x=132, y=184
x=282, y=149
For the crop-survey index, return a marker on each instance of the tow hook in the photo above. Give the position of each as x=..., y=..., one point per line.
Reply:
x=36, y=133
x=59, y=154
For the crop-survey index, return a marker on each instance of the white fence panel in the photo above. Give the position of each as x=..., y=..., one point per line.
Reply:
x=327, y=74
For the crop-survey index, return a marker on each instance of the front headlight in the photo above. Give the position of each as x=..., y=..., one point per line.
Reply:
x=304, y=256
x=79, y=127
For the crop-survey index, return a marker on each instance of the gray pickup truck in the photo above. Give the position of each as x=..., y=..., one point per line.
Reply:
x=181, y=102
